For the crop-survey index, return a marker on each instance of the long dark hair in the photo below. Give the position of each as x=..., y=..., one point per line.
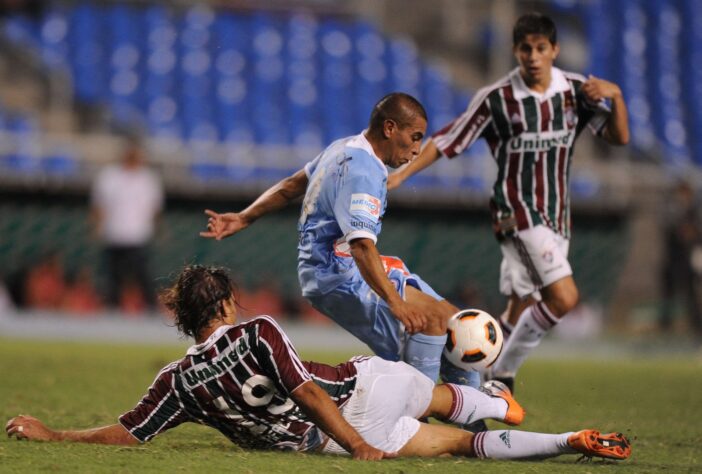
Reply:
x=197, y=297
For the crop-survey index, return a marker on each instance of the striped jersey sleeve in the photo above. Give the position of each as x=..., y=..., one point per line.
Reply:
x=277, y=356
x=159, y=410
x=467, y=128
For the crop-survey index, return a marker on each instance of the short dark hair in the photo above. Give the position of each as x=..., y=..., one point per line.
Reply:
x=534, y=24
x=197, y=297
x=398, y=107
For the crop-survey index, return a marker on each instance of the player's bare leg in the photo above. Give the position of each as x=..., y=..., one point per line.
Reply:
x=438, y=440
x=535, y=321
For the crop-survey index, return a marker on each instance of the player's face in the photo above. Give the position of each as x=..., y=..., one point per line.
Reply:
x=229, y=307
x=406, y=142
x=535, y=55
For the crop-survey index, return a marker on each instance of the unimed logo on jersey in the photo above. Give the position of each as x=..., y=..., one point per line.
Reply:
x=365, y=204
x=540, y=141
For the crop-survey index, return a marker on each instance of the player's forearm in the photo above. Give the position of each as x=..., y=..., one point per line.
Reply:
x=429, y=154
x=367, y=258
x=618, y=123
x=112, y=434
x=277, y=197
x=317, y=404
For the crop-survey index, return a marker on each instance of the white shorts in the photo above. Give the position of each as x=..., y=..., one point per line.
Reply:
x=533, y=259
x=388, y=399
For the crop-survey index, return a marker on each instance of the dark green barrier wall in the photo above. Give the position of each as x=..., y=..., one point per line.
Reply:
x=449, y=250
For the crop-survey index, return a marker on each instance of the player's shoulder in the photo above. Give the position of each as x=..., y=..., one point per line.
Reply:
x=571, y=76
x=165, y=375
x=264, y=323
x=361, y=156
x=494, y=88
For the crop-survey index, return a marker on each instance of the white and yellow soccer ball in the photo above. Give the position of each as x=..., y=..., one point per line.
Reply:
x=474, y=340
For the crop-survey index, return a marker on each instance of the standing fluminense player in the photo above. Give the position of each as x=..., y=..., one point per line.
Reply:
x=530, y=119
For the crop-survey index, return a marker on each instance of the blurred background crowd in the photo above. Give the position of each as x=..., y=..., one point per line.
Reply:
x=121, y=121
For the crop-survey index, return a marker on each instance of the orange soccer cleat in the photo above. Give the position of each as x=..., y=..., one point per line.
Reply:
x=515, y=412
x=592, y=443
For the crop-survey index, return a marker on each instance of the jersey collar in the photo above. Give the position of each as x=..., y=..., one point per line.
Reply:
x=521, y=91
x=360, y=141
x=203, y=346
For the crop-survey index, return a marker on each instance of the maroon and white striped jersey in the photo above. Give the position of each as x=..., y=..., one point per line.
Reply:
x=239, y=382
x=531, y=137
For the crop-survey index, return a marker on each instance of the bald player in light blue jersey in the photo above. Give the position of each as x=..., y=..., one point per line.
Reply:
x=342, y=274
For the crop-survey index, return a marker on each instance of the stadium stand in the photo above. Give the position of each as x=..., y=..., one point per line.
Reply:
x=237, y=79
x=653, y=50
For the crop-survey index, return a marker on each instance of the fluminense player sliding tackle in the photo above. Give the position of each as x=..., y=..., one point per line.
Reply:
x=530, y=119
x=247, y=381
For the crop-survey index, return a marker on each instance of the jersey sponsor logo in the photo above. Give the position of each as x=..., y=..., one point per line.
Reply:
x=365, y=204
x=201, y=373
x=540, y=141
x=362, y=225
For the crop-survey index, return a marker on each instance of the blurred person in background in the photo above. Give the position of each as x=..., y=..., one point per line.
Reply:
x=530, y=119
x=127, y=201
x=341, y=272
x=682, y=240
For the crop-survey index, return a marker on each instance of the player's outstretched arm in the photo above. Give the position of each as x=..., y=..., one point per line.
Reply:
x=30, y=428
x=367, y=258
x=317, y=404
x=276, y=197
x=428, y=156
x=617, y=129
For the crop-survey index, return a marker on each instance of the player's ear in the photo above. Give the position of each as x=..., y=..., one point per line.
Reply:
x=389, y=127
x=229, y=306
x=556, y=50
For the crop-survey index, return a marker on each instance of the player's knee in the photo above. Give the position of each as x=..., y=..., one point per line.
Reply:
x=563, y=301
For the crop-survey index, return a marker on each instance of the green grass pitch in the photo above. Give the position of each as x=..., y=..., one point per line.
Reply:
x=656, y=402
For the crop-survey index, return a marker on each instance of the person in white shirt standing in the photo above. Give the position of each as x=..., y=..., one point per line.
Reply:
x=127, y=200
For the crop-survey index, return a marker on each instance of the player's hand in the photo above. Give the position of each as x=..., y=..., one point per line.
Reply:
x=220, y=226
x=28, y=427
x=394, y=180
x=413, y=319
x=366, y=452
x=596, y=89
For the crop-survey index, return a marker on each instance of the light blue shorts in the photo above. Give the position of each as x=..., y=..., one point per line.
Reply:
x=358, y=309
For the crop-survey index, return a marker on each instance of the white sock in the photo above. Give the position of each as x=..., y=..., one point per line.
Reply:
x=471, y=405
x=532, y=326
x=511, y=444
x=507, y=327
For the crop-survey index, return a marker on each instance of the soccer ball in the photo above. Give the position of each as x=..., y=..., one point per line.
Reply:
x=474, y=340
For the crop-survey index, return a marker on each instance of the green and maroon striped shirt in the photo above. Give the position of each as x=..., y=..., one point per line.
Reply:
x=531, y=137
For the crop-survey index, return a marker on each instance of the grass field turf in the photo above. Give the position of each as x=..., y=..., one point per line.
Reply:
x=657, y=403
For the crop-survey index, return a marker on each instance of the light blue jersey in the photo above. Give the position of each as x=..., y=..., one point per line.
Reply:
x=345, y=200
